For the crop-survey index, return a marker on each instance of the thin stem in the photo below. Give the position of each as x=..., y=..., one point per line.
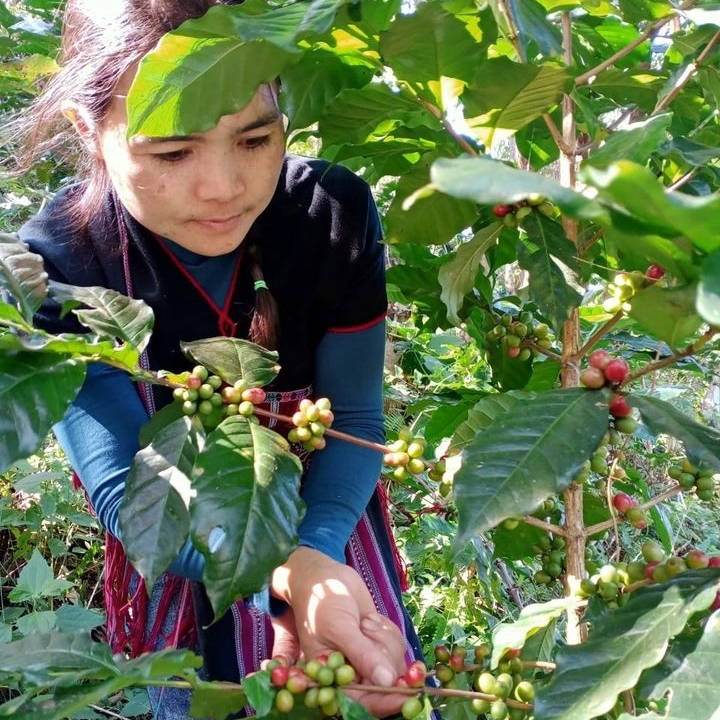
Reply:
x=604, y=330
x=449, y=129
x=689, y=175
x=543, y=351
x=586, y=77
x=540, y=665
x=591, y=241
x=557, y=135
x=513, y=37
x=549, y=527
x=109, y=713
x=686, y=75
x=329, y=432
x=656, y=500
x=691, y=349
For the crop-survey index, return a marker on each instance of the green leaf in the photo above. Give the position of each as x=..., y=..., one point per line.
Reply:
x=41, y=656
x=490, y=182
x=211, y=66
x=661, y=417
x=232, y=359
x=259, y=692
x=154, y=516
x=430, y=49
x=672, y=254
x=681, y=673
x=690, y=151
x=637, y=11
x=620, y=646
x=512, y=635
x=210, y=700
x=428, y=221
x=161, y=664
x=40, y=621
x=34, y=576
x=113, y=314
x=516, y=544
x=627, y=87
x=509, y=95
x=635, y=143
x=23, y=275
x=527, y=455
x=35, y=392
x=635, y=191
x=532, y=25
x=667, y=313
x=247, y=484
x=76, y=618
x=312, y=84
x=457, y=277
x=708, y=294
x=351, y=710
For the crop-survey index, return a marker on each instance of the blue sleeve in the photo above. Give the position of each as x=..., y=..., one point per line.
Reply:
x=343, y=476
x=99, y=434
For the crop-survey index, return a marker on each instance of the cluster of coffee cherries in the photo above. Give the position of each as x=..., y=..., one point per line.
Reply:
x=512, y=215
x=702, y=479
x=206, y=395
x=314, y=682
x=627, y=507
x=311, y=420
x=405, y=456
x=625, y=285
x=517, y=333
x=503, y=689
x=551, y=552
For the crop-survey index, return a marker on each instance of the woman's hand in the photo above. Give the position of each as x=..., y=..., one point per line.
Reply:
x=333, y=610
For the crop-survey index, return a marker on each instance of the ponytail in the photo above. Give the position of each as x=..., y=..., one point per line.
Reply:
x=264, y=327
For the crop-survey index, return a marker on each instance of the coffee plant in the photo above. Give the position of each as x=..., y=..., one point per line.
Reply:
x=548, y=179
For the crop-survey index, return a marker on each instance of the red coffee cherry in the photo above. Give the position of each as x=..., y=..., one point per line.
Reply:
x=619, y=407
x=616, y=370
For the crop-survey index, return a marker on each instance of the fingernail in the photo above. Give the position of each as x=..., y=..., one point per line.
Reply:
x=383, y=676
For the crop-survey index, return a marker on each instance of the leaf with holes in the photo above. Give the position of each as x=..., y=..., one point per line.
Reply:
x=589, y=677
x=112, y=315
x=247, y=509
x=528, y=454
x=154, y=516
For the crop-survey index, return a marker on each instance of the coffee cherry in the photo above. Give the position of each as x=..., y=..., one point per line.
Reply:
x=498, y=710
x=599, y=359
x=194, y=382
x=626, y=425
x=415, y=674
x=200, y=372
x=444, y=673
x=480, y=652
x=652, y=552
x=344, y=675
x=279, y=675
x=189, y=407
x=501, y=210
x=479, y=706
x=513, y=352
x=616, y=370
x=246, y=408
x=675, y=565
x=622, y=502
x=714, y=561
x=524, y=691
x=254, y=395
x=411, y=708
x=592, y=378
x=325, y=676
x=298, y=683
x=619, y=407
x=486, y=683
x=457, y=660
x=636, y=517
x=214, y=381
x=326, y=695
x=284, y=701
x=442, y=653
x=655, y=272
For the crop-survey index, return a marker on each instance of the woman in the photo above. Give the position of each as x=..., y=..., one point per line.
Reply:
x=222, y=233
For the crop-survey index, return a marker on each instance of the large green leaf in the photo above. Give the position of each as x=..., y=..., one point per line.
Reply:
x=213, y=700
x=233, y=358
x=549, y=258
x=490, y=182
x=113, y=314
x=430, y=48
x=635, y=191
x=211, y=66
x=621, y=645
x=534, y=617
x=310, y=85
x=529, y=19
x=701, y=441
x=528, y=454
x=510, y=95
x=635, y=143
x=667, y=313
x=688, y=662
x=22, y=274
x=627, y=87
x=245, y=515
x=41, y=656
x=708, y=294
x=429, y=221
x=457, y=277
x=35, y=392
x=154, y=516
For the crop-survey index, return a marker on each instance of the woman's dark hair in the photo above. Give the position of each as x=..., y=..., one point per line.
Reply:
x=101, y=41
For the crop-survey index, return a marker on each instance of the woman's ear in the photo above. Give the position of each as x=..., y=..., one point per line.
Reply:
x=83, y=124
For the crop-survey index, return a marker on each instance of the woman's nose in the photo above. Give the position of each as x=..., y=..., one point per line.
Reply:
x=220, y=178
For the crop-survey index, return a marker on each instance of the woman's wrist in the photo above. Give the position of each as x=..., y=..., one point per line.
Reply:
x=297, y=572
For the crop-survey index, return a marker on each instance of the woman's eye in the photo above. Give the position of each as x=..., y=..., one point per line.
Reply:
x=253, y=143
x=172, y=157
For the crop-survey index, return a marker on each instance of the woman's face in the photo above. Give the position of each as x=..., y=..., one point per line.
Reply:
x=202, y=191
